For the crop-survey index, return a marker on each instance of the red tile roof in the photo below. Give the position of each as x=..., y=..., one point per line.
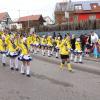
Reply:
x=32, y=17
x=2, y=16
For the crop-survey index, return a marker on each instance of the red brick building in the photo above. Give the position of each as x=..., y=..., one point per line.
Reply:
x=78, y=11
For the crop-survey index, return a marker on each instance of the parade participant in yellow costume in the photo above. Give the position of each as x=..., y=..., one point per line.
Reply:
x=78, y=51
x=43, y=44
x=58, y=42
x=25, y=57
x=13, y=52
x=33, y=40
x=3, y=50
x=50, y=45
x=29, y=42
x=17, y=43
x=64, y=54
x=37, y=44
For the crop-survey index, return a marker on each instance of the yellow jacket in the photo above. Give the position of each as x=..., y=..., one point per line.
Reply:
x=63, y=49
x=2, y=48
x=78, y=46
x=12, y=47
x=24, y=49
x=49, y=41
x=43, y=41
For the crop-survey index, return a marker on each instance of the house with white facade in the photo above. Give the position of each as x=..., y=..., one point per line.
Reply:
x=48, y=21
x=5, y=20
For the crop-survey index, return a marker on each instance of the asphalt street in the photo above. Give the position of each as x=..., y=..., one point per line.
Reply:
x=48, y=82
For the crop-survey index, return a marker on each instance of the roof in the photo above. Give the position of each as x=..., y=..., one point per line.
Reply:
x=88, y=11
x=69, y=6
x=31, y=17
x=62, y=6
x=47, y=17
x=86, y=4
x=3, y=15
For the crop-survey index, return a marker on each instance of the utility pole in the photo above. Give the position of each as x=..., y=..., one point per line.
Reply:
x=19, y=13
x=28, y=23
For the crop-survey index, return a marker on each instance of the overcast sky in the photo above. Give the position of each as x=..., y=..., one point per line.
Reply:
x=29, y=7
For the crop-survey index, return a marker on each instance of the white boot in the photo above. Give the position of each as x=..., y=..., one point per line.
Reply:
x=71, y=57
x=28, y=70
x=35, y=51
x=52, y=52
x=12, y=64
x=16, y=64
x=75, y=59
x=43, y=52
x=22, y=69
x=48, y=53
x=80, y=59
x=57, y=54
x=3, y=59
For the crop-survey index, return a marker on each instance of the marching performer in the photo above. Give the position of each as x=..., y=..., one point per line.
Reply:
x=36, y=44
x=25, y=57
x=3, y=50
x=78, y=51
x=58, y=42
x=50, y=45
x=13, y=52
x=43, y=44
x=29, y=42
x=64, y=54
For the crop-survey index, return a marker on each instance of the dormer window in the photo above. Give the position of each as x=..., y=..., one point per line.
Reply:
x=78, y=7
x=94, y=5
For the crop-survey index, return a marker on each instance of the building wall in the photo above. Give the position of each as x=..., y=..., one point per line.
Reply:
x=30, y=24
x=48, y=21
x=84, y=17
x=60, y=17
x=98, y=15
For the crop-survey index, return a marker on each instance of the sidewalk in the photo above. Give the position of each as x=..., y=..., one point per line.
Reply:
x=92, y=59
x=93, y=67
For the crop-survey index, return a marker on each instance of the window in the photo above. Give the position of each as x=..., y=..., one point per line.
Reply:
x=94, y=5
x=92, y=17
x=78, y=7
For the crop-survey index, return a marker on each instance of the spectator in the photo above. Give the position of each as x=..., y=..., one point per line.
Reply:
x=87, y=46
x=73, y=42
x=82, y=40
x=94, y=37
x=59, y=35
x=54, y=35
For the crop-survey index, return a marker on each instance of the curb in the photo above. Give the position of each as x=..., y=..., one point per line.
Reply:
x=92, y=59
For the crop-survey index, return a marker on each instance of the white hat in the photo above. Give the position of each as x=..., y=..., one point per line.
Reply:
x=3, y=37
x=43, y=36
x=50, y=36
x=11, y=37
x=78, y=39
x=59, y=38
x=24, y=39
